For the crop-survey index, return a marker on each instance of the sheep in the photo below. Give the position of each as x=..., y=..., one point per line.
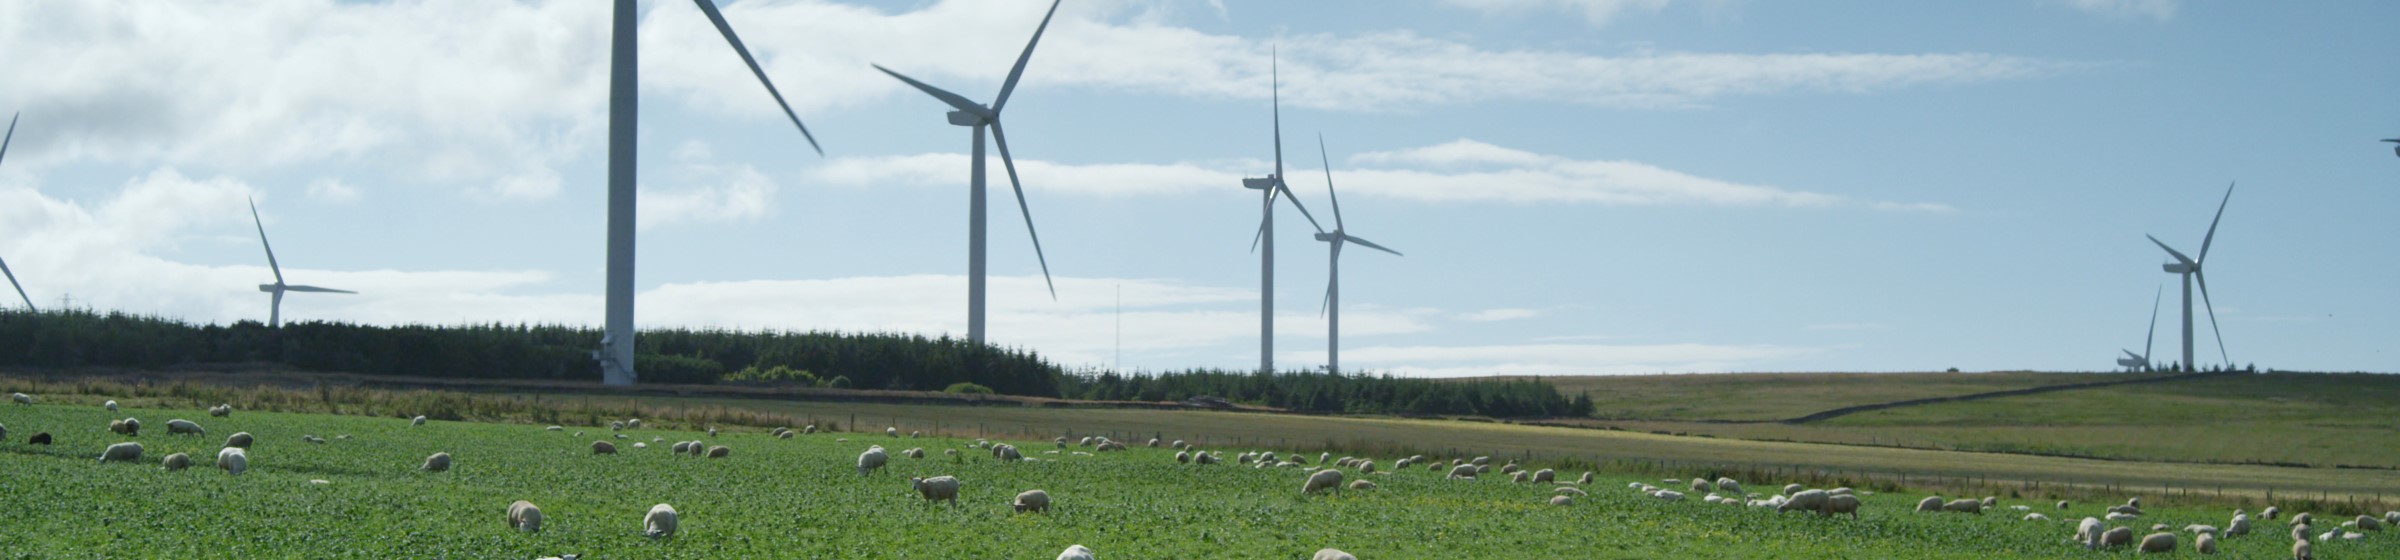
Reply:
x=894, y=431
x=116, y=426
x=221, y=410
x=1726, y=485
x=133, y=427
x=2270, y=513
x=182, y=426
x=937, y=488
x=21, y=398
x=417, y=421
x=2205, y=543
x=523, y=516
x=240, y=439
x=1034, y=500
x=1402, y=464
x=1480, y=461
x=2088, y=532
x=1702, y=485
x=695, y=448
x=633, y=423
x=1153, y=442
x=719, y=452
x=2301, y=550
x=555, y=429
x=914, y=452
x=913, y=434
x=1668, y=495
x=1205, y=458
x=660, y=522
x=1463, y=471
x=123, y=452
x=1362, y=484
x=111, y=405
x=1332, y=554
x=1077, y=552
x=2036, y=516
x=640, y=445
x=2158, y=542
x=1991, y=502
x=2369, y=523
x=787, y=434
x=1929, y=504
x=1322, y=456
x=1544, y=476
x=2389, y=517
x=2199, y=529
x=2126, y=509
x=1571, y=490
x=2239, y=526
x=1806, y=500
x=2329, y=536
x=1183, y=457
x=1587, y=478
x=2116, y=538
x=315, y=439
x=2062, y=504
x=1327, y=479
x=3, y=432
x=2117, y=516
x=808, y=429
x=1964, y=506
x=1179, y=444
x=606, y=448
x=2300, y=531
x=178, y=461
x=1836, y=504
x=616, y=425
x=2304, y=518
x=437, y=462
x=871, y=460
x=233, y=460
x=1557, y=500
x=712, y=431
x=1517, y=477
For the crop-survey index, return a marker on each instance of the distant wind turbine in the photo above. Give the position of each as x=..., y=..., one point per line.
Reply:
x=275, y=310
x=977, y=116
x=2189, y=268
x=12, y=276
x=616, y=352
x=1333, y=281
x=2141, y=362
x=1264, y=243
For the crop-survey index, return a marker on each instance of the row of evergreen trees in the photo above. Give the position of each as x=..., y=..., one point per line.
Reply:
x=1336, y=393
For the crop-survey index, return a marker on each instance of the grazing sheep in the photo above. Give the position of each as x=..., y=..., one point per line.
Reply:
x=1362, y=484
x=1183, y=457
x=2158, y=542
x=2062, y=504
x=1402, y=464
x=2270, y=513
x=178, y=461
x=808, y=429
x=1806, y=500
x=1837, y=504
x=1153, y=442
x=696, y=448
x=221, y=410
x=2199, y=529
x=2300, y=531
x=914, y=452
x=240, y=439
x=1726, y=485
x=2126, y=509
x=1077, y=552
x=1702, y=486
x=1327, y=479
x=2389, y=517
x=1964, y=506
x=1991, y=502
x=3, y=432
x=1544, y=476
x=1332, y=554
x=110, y=405
x=2301, y=550
x=1929, y=504
x=1205, y=458
x=1554, y=500
x=1464, y=471
x=123, y=452
x=1032, y=500
x=417, y=421
x=1179, y=444
x=871, y=460
x=116, y=426
x=660, y=522
x=437, y=462
x=1587, y=478
x=894, y=431
x=133, y=427
x=937, y=488
x=523, y=516
x=2304, y=518
x=616, y=425
x=1668, y=495
x=2037, y=516
x=317, y=440
x=606, y=448
x=1517, y=477
x=1571, y=490
x=1480, y=461
x=787, y=434
x=2088, y=532
x=21, y=398
x=633, y=423
x=182, y=426
x=2205, y=543
x=2116, y=516
x=719, y=452
x=233, y=460
x=2239, y=526
x=2116, y=538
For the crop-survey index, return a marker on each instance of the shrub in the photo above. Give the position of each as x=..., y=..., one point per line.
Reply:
x=963, y=387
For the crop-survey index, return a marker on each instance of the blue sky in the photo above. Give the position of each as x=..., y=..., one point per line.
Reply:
x=1581, y=186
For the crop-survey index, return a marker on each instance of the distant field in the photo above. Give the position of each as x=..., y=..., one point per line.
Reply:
x=1776, y=396
x=800, y=498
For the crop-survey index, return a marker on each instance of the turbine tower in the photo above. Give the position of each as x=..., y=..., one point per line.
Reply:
x=978, y=117
x=275, y=309
x=1264, y=243
x=2189, y=268
x=616, y=352
x=2141, y=362
x=1333, y=281
x=12, y=276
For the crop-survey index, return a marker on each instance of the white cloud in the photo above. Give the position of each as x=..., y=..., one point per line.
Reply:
x=2158, y=10
x=1557, y=359
x=1847, y=327
x=736, y=193
x=332, y=190
x=1597, y=11
x=1499, y=314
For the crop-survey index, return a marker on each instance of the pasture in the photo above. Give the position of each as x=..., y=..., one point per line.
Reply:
x=802, y=498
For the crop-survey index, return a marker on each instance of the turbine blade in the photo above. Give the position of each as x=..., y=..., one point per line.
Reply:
x=2212, y=318
x=1019, y=70
x=1011, y=163
x=710, y=7
x=316, y=289
x=1275, y=93
x=1287, y=195
x=2130, y=354
x=2212, y=224
x=262, y=242
x=1369, y=244
x=1326, y=304
x=12, y=281
x=2153, y=336
x=12, y=134
x=956, y=102
x=1337, y=198
x=2187, y=261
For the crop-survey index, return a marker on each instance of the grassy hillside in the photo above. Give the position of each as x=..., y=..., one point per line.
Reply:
x=801, y=498
x=1776, y=396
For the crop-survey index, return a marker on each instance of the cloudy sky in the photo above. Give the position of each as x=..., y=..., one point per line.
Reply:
x=1580, y=186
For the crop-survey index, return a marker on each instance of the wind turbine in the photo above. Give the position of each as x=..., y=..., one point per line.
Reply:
x=2141, y=362
x=616, y=352
x=1264, y=242
x=977, y=116
x=12, y=276
x=275, y=310
x=1333, y=281
x=2189, y=268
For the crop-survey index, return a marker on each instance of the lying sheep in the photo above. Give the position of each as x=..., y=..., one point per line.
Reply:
x=438, y=462
x=1571, y=490
x=2199, y=529
x=1332, y=554
x=1328, y=479
x=233, y=460
x=1183, y=457
x=606, y=448
x=2369, y=523
x=1033, y=501
x=719, y=452
x=555, y=429
x=2119, y=516
x=523, y=516
x=178, y=461
x=2036, y=516
x=640, y=445
x=1557, y=500
x=871, y=460
x=1790, y=489
x=937, y=488
x=1077, y=552
x=1930, y=504
x=240, y=439
x=1668, y=495
x=660, y=522
x=1362, y=484
x=2158, y=542
x=123, y=452
x=2205, y=544
x=1463, y=471
x=1964, y=506
x=182, y=426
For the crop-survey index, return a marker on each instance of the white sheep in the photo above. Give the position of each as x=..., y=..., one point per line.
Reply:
x=556, y=428
x=2205, y=543
x=111, y=405
x=871, y=460
x=2120, y=516
x=523, y=516
x=1077, y=552
x=633, y=423
x=1587, y=478
x=1362, y=484
x=660, y=522
x=21, y=398
x=1402, y=464
x=1332, y=554
x=437, y=462
x=1561, y=500
x=417, y=421
x=1837, y=504
x=2270, y=513
x=2088, y=532
x=1183, y=457
x=2304, y=518
x=2200, y=529
x=2240, y=524
x=1153, y=442
x=640, y=445
x=893, y=431
x=1205, y=458
x=1327, y=479
x=1964, y=506
x=606, y=448
x=178, y=461
x=2115, y=538
x=1544, y=476
x=2301, y=550
x=1463, y=471
x=2158, y=542
x=234, y=460
x=1790, y=489
x=1805, y=500
x=1517, y=477
x=123, y=452
x=182, y=426
x=221, y=410
x=937, y=488
x=1032, y=500
x=1668, y=495
x=1726, y=485
x=2036, y=516
x=240, y=439
x=1702, y=486
x=2369, y=523
x=719, y=452
x=1179, y=444
x=914, y=452
x=1480, y=461
x=1930, y=504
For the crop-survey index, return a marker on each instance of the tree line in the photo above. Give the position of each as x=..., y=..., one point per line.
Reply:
x=1336, y=393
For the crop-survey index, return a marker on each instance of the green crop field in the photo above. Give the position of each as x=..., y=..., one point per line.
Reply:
x=801, y=498
x=1776, y=396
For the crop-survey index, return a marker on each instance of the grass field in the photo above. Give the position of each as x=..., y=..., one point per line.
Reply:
x=800, y=498
x=1776, y=396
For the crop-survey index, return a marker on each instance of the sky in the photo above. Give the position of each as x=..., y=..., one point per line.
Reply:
x=1579, y=186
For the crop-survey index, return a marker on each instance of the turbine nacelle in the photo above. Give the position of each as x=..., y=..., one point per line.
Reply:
x=2177, y=268
x=972, y=118
x=1259, y=184
x=1328, y=237
x=270, y=288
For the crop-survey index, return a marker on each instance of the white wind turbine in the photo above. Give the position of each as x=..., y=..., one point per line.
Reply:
x=2189, y=268
x=1333, y=281
x=2141, y=362
x=1271, y=187
x=616, y=344
x=275, y=310
x=978, y=117
x=12, y=276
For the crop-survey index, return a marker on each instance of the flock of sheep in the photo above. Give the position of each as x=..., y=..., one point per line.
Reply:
x=1324, y=474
